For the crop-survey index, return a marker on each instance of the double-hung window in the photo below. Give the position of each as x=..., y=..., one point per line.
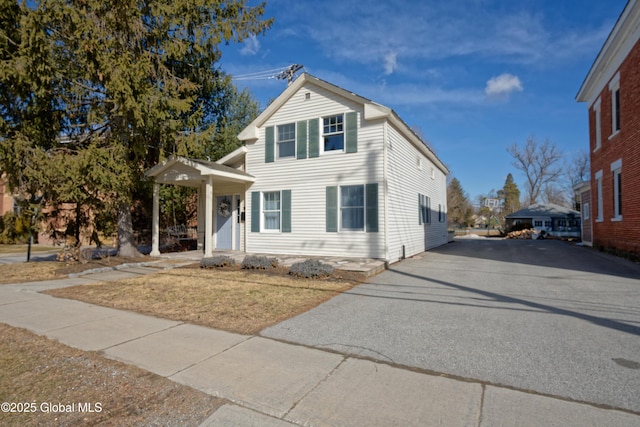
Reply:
x=600, y=210
x=286, y=140
x=614, y=88
x=598, y=124
x=271, y=210
x=352, y=207
x=424, y=205
x=333, y=133
x=616, y=169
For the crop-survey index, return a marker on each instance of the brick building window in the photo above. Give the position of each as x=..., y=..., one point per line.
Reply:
x=616, y=169
x=598, y=178
x=614, y=88
x=598, y=124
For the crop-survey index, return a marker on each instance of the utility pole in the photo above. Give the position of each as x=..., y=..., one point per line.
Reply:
x=289, y=73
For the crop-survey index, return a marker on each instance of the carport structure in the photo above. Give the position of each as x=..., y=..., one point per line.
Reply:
x=221, y=193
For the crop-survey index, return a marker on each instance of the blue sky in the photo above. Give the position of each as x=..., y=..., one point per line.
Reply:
x=475, y=76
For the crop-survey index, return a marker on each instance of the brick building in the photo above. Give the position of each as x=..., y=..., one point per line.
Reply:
x=611, y=90
x=6, y=199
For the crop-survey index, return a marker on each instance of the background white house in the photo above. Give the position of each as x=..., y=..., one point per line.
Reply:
x=323, y=172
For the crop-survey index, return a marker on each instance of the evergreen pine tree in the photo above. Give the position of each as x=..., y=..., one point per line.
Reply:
x=122, y=82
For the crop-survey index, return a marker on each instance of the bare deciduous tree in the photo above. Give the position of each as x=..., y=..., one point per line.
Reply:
x=539, y=163
x=578, y=170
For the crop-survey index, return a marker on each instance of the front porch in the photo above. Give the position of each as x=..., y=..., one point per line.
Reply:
x=220, y=201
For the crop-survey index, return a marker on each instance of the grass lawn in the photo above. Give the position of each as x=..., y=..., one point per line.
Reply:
x=232, y=299
x=42, y=373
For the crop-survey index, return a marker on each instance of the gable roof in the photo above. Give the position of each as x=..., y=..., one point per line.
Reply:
x=372, y=111
x=189, y=172
x=544, y=210
x=619, y=43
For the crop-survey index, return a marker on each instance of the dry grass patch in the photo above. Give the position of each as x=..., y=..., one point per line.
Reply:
x=19, y=249
x=22, y=272
x=34, y=369
x=30, y=272
x=232, y=300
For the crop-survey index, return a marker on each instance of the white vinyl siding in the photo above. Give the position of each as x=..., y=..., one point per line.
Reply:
x=409, y=233
x=308, y=178
x=314, y=176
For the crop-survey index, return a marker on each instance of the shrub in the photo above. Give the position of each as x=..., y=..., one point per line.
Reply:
x=311, y=268
x=255, y=262
x=217, y=262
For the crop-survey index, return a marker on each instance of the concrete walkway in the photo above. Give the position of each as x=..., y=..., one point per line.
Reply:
x=272, y=383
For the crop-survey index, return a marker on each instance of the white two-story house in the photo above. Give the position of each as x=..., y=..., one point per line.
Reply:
x=323, y=172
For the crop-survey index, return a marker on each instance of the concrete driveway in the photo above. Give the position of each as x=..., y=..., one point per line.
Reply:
x=543, y=316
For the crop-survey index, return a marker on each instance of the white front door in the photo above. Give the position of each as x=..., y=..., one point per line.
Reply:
x=224, y=222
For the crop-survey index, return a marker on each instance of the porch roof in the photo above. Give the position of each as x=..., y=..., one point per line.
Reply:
x=192, y=172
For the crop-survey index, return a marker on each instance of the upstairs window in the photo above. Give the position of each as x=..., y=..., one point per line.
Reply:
x=333, y=133
x=287, y=140
x=614, y=88
x=598, y=125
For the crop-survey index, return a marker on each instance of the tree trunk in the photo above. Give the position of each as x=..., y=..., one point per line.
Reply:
x=126, y=241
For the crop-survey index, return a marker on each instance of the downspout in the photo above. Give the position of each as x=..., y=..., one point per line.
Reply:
x=385, y=193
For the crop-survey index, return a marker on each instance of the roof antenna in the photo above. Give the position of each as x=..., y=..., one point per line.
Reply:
x=289, y=73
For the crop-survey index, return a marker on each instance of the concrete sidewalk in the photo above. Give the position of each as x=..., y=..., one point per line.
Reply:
x=271, y=383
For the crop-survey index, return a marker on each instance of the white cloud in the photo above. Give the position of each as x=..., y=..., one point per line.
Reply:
x=390, y=63
x=433, y=31
x=251, y=46
x=503, y=85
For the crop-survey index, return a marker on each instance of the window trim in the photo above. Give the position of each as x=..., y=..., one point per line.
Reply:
x=341, y=207
x=342, y=124
x=263, y=210
x=616, y=170
x=614, y=89
x=599, y=198
x=287, y=141
x=597, y=110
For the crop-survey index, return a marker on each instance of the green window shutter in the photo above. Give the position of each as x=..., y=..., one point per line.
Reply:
x=372, y=208
x=286, y=211
x=255, y=211
x=332, y=209
x=314, y=138
x=269, y=145
x=351, y=132
x=301, y=136
x=420, y=210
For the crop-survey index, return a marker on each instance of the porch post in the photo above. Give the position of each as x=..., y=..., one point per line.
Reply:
x=155, y=221
x=200, y=214
x=208, y=214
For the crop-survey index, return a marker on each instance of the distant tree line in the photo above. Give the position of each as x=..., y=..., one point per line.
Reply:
x=549, y=178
